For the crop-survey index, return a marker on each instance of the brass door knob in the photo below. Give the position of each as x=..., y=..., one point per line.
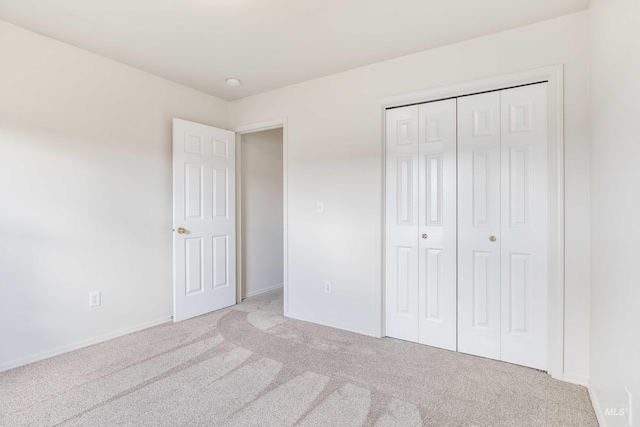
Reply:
x=424, y=235
x=492, y=238
x=181, y=230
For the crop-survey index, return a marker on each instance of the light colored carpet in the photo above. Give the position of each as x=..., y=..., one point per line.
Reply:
x=250, y=366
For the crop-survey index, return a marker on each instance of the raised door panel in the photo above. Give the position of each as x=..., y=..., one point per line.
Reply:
x=479, y=219
x=220, y=192
x=193, y=143
x=434, y=292
x=481, y=171
x=405, y=269
x=519, y=305
x=401, y=236
x=525, y=205
x=519, y=192
x=194, y=262
x=405, y=184
x=220, y=261
x=193, y=191
x=437, y=223
x=482, y=274
x=220, y=148
x=433, y=177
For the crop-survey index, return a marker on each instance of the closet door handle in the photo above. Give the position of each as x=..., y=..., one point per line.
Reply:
x=424, y=235
x=492, y=238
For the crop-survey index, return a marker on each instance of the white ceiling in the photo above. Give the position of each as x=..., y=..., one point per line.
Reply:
x=268, y=43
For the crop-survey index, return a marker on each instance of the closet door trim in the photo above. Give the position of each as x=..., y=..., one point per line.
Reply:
x=553, y=75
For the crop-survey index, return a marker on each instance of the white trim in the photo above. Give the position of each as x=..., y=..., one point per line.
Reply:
x=335, y=325
x=379, y=271
x=554, y=76
x=82, y=344
x=262, y=291
x=576, y=379
x=239, y=277
x=258, y=127
x=597, y=408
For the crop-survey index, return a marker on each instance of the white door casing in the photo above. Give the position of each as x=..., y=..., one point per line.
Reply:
x=401, y=302
x=203, y=205
x=479, y=220
x=525, y=224
x=437, y=224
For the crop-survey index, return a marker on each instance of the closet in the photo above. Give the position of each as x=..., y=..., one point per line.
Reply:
x=466, y=224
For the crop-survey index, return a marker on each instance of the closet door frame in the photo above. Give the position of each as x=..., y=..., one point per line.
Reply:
x=553, y=75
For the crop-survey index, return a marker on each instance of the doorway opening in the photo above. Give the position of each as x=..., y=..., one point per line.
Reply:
x=261, y=213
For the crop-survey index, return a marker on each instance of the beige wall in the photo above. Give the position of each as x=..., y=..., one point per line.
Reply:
x=85, y=179
x=334, y=155
x=615, y=202
x=262, y=212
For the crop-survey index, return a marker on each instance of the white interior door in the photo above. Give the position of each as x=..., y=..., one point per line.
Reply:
x=203, y=219
x=525, y=225
x=401, y=290
x=479, y=224
x=437, y=224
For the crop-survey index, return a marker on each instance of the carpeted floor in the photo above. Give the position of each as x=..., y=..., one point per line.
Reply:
x=250, y=366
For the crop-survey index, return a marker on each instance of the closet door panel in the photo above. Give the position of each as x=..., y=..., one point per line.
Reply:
x=479, y=219
x=524, y=230
x=437, y=224
x=402, y=218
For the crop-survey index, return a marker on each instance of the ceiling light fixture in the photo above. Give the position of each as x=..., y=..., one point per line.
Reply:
x=233, y=82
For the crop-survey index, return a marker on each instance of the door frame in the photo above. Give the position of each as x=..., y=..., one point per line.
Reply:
x=243, y=130
x=553, y=75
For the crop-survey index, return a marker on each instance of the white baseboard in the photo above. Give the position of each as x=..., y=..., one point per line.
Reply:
x=576, y=379
x=349, y=328
x=596, y=406
x=81, y=344
x=262, y=291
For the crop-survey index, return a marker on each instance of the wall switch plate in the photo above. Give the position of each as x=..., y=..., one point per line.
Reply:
x=327, y=287
x=94, y=299
x=320, y=207
x=629, y=406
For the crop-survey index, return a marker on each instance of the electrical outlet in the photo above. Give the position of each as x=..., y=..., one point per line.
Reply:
x=320, y=207
x=629, y=411
x=94, y=299
x=327, y=287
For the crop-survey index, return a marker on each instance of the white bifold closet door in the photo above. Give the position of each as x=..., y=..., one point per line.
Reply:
x=401, y=300
x=479, y=224
x=503, y=225
x=421, y=223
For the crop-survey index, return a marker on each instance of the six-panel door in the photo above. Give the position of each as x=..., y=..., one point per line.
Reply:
x=525, y=225
x=478, y=221
x=421, y=224
x=204, y=219
x=437, y=224
x=401, y=292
